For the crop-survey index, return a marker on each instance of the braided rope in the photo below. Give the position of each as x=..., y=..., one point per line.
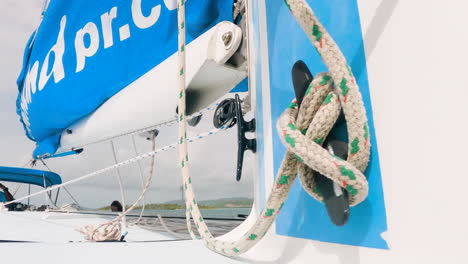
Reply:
x=301, y=130
x=112, y=230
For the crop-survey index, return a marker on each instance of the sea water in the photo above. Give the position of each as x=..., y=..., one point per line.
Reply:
x=208, y=213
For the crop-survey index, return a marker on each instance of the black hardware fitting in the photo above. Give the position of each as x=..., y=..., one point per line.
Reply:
x=243, y=143
x=225, y=114
x=228, y=113
x=335, y=197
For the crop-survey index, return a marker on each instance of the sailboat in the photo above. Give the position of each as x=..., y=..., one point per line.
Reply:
x=118, y=69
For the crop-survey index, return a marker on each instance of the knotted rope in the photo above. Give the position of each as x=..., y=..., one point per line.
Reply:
x=301, y=130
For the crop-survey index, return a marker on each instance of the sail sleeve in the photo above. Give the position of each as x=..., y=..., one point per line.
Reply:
x=85, y=52
x=29, y=176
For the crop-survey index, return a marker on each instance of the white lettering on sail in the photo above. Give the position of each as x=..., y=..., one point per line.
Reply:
x=82, y=51
x=106, y=21
x=57, y=69
x=29, y=86
x=24, y=105
x=140, y=20
x=24, y=113
x=124, y=32
x=40, y=72
x=171, y=4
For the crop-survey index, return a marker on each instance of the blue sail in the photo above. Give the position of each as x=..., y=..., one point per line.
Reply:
x=84, y=52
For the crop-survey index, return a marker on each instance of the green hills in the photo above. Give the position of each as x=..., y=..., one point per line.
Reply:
x=237, y=202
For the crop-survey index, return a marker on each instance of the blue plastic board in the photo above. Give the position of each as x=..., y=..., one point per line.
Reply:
x=302, y=216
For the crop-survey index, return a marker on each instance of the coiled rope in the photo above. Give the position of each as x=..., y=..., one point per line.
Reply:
x=112, y=230
x=301, y=130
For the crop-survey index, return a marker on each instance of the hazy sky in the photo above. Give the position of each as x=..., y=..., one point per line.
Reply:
x=212, y=160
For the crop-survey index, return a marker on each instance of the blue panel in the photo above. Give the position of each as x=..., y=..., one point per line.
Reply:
x=301, y=215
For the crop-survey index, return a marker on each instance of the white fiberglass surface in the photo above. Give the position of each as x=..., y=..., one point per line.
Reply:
x=59, y=227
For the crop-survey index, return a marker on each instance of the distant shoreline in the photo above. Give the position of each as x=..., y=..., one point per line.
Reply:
x=173, y=207
x=224, y=203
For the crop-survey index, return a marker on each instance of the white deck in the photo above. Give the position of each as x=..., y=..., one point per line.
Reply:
x=61, y=227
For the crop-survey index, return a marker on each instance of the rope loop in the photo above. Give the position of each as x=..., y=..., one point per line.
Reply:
x=302, y=132
x=342, y=75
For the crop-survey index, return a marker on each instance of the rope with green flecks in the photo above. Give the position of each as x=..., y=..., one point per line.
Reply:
x=112, y=230
x=301, y=130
